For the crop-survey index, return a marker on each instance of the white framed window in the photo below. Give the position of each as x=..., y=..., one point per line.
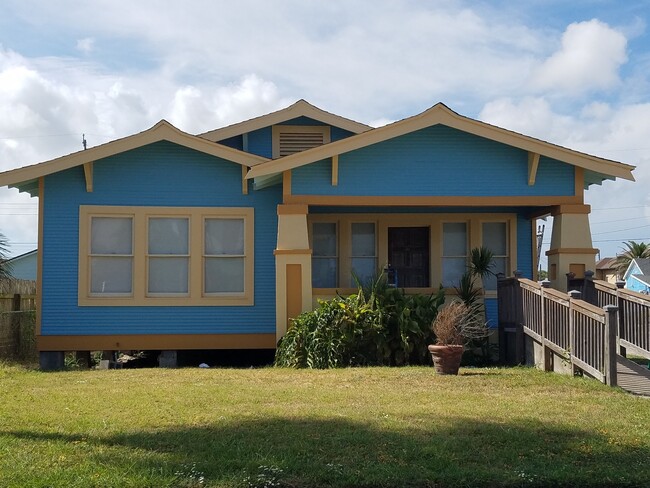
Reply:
x=111, y=256
x=363, y=252
x=166, y=256
x=324, y=255
x=454, y=252
x=495, y=238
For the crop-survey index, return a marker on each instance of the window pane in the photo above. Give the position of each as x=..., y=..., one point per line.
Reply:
x=452, y=270
x=364, y=269
x=495, y=237
x=111, y=275
x=324, y=272
x=363, y=239
x=111, y=235
x=224, y=236
x=168, y=275
x=500, y=266
x=324, y=237
x=454, y=239
x=224, y=275
x=168, y=235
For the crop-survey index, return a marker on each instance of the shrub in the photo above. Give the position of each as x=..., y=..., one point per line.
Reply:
x=379, y=325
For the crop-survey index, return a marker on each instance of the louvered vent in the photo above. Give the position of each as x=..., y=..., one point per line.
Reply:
x=293, y=142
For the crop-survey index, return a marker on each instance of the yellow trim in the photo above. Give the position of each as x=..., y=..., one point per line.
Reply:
x=571, y=250
x=286, y=186
x=139, y=296
x=39, y=256
x=533, y=163
x=335, y=170
x=88, y=174
x=580, y=182
x=570, y=209
x=428, y=201
x=279, y=252
x=162, y=131
x=280, y=129
x=434, y=221
x=440, y=114
x=244, y=181
x=293, y=209
x=299, y=109
x=154, y=341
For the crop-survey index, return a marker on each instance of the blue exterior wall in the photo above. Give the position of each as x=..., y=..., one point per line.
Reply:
x=436, y=160
x=161, y=174
x=24, y=267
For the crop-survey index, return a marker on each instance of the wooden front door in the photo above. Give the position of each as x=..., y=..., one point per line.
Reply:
x=408, y=254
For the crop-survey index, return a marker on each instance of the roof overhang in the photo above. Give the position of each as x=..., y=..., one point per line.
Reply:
x=299, y=109
x=26, y=178
x=441, y=114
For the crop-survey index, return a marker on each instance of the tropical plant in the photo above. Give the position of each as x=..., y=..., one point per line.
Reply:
x=5, y=267
x=632, y=251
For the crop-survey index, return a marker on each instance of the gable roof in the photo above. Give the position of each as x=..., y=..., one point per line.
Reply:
x=441, y=114
x=642, y=264
x=299, y=109
x=606, y=263
x=642, y=278
x=162, y=131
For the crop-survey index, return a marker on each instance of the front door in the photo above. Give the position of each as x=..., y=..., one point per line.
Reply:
x=408, y=254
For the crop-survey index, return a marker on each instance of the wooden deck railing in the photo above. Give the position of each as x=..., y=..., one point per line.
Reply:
x=633, y=315
x=566, y=327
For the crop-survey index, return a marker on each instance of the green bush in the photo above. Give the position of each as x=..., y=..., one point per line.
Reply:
x=379, y=325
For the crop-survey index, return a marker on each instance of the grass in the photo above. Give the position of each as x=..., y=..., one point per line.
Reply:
x=374, y=427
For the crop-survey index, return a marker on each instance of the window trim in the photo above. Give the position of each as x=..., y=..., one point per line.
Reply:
x=139, y=295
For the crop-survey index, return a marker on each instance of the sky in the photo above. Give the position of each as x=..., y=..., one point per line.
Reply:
x=572, y=73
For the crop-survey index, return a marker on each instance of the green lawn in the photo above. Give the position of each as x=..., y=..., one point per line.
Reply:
x=347, y=428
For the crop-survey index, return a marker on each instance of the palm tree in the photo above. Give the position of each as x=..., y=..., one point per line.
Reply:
x=634, y=250
x=5, y=267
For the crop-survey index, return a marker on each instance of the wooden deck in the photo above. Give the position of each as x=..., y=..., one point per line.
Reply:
x=633, y=377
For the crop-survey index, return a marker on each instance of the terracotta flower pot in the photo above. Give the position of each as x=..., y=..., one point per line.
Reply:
x=446, y=358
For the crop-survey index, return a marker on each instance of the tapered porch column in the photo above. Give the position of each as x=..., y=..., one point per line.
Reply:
x=293, y=293
x=571, y=246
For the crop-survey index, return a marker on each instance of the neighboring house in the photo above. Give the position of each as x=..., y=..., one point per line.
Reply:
x=23, y=267
x=637, y=275
x=215, y=241
x=606, y=270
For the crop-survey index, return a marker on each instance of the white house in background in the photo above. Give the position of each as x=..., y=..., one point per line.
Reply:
x=637, y=275
x=23, y=267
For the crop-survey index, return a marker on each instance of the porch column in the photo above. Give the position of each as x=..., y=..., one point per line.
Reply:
x=293, y=293
x=571, y=246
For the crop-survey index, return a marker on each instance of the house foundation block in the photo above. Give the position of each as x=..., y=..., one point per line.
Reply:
x=51, y=360
x=168, y=359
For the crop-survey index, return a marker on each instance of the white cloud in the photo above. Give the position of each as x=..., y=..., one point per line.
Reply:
x=86, y=45
x=589, y=59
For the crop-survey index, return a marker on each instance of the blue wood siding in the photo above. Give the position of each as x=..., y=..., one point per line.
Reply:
x=161, y=174
x=436, y=160
x=235, y=142
x=260, y=142
x=525, y=246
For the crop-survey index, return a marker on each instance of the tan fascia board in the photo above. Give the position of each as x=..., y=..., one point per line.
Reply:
x=299, y=109
x=441, y=114
x=162, y=131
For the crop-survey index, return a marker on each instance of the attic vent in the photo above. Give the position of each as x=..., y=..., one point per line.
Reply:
x=293, y=142
x=290, y=139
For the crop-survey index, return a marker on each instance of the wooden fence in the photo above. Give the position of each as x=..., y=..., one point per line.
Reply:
x=578, y=333
x=17, y=310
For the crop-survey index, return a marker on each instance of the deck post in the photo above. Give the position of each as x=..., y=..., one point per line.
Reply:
x=575, y=295
x=620, y=284
x=611, y=320
x=547, y=354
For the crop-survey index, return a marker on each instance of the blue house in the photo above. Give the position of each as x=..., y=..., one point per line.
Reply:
x=637, y=275
x=214, y=241
x=23, y=267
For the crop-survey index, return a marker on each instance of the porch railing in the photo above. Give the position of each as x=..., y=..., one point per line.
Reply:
x=580, y=334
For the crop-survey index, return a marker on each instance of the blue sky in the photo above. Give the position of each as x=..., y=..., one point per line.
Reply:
x=573, y=73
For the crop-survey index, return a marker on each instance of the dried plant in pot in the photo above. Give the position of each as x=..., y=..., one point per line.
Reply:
x=454, y=326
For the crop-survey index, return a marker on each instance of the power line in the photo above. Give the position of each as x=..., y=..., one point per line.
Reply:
x=620, y=230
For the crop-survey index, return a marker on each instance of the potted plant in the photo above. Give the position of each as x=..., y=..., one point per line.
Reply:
x=454, y=326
